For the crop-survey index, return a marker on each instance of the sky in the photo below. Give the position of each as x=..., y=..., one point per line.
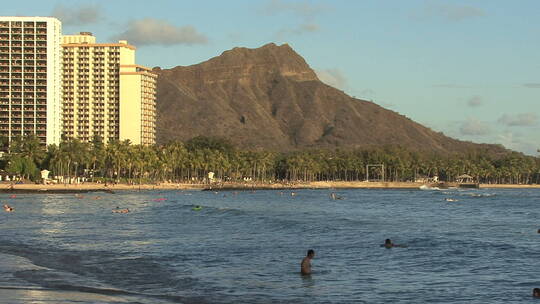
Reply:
x=469, y=68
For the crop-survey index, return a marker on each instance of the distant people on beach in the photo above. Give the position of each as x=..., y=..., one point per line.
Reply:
x=8, y=208
x=536, y=293
x=389, y=244
x=305, y=266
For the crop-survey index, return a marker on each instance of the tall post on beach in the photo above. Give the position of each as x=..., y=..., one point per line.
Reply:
x=367, y=173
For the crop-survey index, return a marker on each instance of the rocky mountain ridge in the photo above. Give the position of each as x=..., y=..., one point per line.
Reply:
x=269, y=98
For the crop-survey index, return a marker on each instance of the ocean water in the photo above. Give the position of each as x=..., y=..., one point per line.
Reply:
x=246, y=247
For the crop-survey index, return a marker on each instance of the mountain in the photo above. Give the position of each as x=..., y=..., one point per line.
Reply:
x=269, y=98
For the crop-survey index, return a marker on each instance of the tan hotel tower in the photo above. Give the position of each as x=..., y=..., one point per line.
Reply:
x=105, y=93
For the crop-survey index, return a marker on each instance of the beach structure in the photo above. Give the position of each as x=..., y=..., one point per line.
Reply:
x=105, y=93
x=466, y=181
x=30, y=78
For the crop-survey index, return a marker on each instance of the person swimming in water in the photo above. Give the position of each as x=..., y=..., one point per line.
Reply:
x=305, y=266
x=334, y=196
x=388, y=244
x=536, y=293
x=118, y=210
x=8, y=208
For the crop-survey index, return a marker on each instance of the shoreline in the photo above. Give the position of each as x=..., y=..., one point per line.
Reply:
x=111, y=188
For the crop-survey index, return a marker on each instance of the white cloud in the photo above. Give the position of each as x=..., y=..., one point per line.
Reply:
x=517, y=142
x=304, y=9
x=299, y=30
x=150, y=31
x=451, y=86
x=332, y=77
x=449, y=12
x=474, y=127
x=519, y=120
x=305, y=12
x=475, y=101
x=77, y=15
x=367, y=93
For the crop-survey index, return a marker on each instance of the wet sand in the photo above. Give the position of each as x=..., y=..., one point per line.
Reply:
x=97, y=187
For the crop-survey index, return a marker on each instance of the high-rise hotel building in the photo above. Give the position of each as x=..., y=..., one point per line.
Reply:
x=105, y=93
x=30, y=78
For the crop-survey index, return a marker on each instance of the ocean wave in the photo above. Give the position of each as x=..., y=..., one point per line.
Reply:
x=98, y=271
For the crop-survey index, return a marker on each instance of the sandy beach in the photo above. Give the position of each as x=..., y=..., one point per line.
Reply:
x=92, y=187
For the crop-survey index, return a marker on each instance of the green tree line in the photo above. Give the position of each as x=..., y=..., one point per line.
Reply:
x=193, y=160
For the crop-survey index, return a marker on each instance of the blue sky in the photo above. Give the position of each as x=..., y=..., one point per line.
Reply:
x=467, y=68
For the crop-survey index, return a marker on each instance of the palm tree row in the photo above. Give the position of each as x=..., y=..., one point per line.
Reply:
x=193, y=160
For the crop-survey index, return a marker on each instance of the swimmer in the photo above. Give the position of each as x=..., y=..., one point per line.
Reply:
x=335, y=196
x=293, y=193
x=8, y=208
x=13, y=196
x=305, y=266
x=536, y=293
x=388, y=244
x=197, y=208
x=538, y=231
x=118, y=210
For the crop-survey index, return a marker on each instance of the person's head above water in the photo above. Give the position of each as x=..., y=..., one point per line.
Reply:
x=310, y=253
x=536, y=292
x=388, y=243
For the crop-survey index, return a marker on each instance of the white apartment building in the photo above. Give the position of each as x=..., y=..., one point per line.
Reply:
x=30, y=78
